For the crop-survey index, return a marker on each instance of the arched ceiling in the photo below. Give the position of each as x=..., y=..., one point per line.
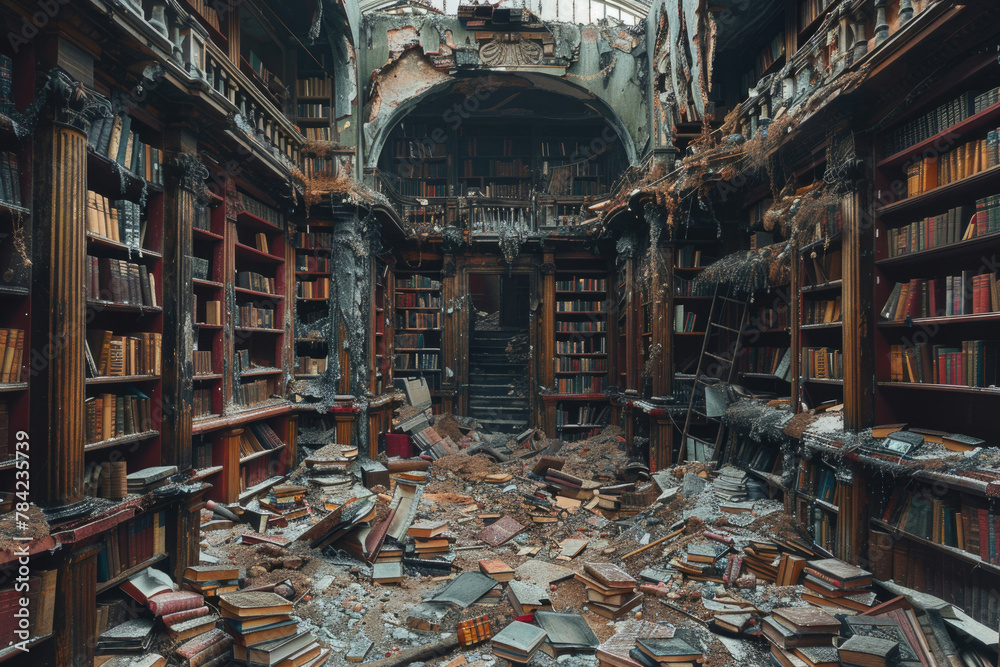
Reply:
x=568, y=11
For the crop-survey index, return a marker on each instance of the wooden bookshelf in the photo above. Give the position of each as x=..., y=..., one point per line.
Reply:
x=258, y=317
x=418, y=316
x=820, y=318
x=208, y=288
x=313, y=245
x=124, y=282
x=381, y=330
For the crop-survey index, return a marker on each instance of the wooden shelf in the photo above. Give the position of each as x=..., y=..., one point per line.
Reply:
x=120, y=249
x=207, y=283
x=204, y=325
x=14, y=291
x=763, y=376
x=120, y=379
x=951, y=250
x=829, y=507
x=9, y=387
x=208, y=376
x=121, y=440
x=205, y=473
x=206, y=234
x=952, y=388
x=257, y=455
x=416, y=289
x=960, y=554
x=949, y=319
x=251, y=221
x=256, y=294
x=417, y=349
x=581, y=372
x=829, y=243
x=832, y=381
x=126, y=574
x=416, y=370
x=122, y=307
x=822, y=325
x=988, y=118
x=252, y=254
x=265, y=371
x=253, y=330
x=823, y=287
x=581, y=354
x=580, y=333
x=13, y=651
x=970, y=188
x=587, y=292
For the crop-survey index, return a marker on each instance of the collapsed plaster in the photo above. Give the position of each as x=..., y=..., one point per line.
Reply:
x=413, y=57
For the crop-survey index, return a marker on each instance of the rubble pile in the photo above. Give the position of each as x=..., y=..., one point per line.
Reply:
x=516, y=549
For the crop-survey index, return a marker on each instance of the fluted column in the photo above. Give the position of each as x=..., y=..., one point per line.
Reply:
x=58, y=298
x=75, y=613
x=186, y=182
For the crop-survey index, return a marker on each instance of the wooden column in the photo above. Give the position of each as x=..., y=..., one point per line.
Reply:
x=226, y=453
x=345, y=426
x=449, y=334
x=859, y=331
x=632, y=305
x=184, y=182
x=547, y=349
x=661, y=441
x=75, y=619
x=662, y=325
x=58, y=296
x=183, y=548
x=291, y=443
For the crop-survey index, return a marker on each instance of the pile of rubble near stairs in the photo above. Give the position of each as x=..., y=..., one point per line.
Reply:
x=492, y=379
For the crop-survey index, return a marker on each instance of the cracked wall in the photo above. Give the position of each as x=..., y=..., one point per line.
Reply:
x=407, y=58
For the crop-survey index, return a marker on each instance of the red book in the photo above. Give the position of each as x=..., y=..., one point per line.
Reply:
x=171, y=603
x=186, y=615
x=195, y=646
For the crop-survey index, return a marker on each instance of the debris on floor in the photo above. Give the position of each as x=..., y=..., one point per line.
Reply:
x=527, y=551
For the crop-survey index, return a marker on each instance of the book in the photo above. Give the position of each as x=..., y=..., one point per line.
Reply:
x=146, y=584
x=868, y=651
x=667, y=651
x=839, y=573
x=169, y=603
x=253, y=603
x=806, y=620
x=518, y=642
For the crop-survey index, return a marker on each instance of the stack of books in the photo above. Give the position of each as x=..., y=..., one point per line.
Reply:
x=147, y=479
x=518, y=642
x=265, y=632
x=566, y=633
x=429, y=538
x=801, y=634
x=677, y=651
x=610, y=590
x=288, y=500
x=731, y=484
x=212, y=580
x=833, y=583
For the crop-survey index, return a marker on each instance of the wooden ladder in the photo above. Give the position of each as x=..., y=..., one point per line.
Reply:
x=720, y=349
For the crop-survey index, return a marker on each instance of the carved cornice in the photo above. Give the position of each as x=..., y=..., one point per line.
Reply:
x=64, y=100
x=191, y=173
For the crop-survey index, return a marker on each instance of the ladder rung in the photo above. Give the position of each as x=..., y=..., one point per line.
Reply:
x=730, y=300
x=722, y=359
x=722, y=326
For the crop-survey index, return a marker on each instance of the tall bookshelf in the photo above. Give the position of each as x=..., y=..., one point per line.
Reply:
x=938, y=315
x=937, y=319
x=417, y=319
x=820, y=315
x=312, y=301
x=259, y=301
x=495, y=165
x=766, y=355
x=581, y=347
x=381, y=329
x=15, y=275
x=208, y=284
x=123, y=282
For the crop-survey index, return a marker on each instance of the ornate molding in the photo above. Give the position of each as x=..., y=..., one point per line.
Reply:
x=192, y=174
x=510, y=50
x=548, y=269
x=64, y=100
x=234, y=205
